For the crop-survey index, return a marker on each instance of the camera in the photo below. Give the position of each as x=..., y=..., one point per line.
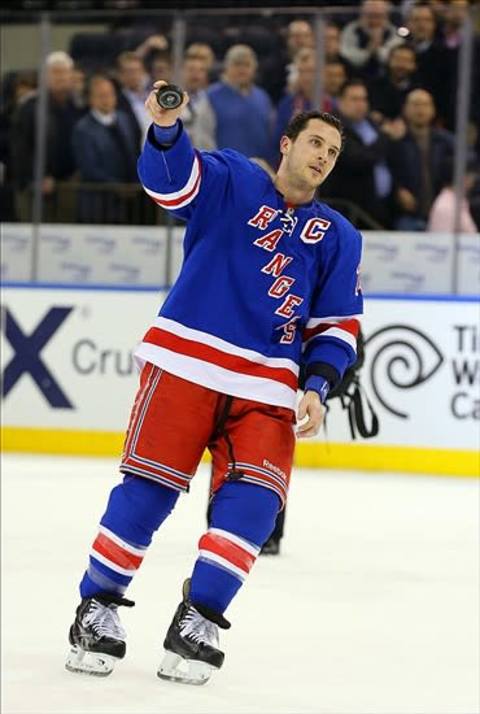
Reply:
x=169, y=96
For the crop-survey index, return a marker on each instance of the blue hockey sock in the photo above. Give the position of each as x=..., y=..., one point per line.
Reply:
x=136, y=509
x=242, y=518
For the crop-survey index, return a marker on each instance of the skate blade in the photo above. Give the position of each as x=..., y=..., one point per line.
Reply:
x=174, y=668
x=95, y=664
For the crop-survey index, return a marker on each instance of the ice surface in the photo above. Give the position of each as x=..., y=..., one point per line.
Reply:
x=371, y=608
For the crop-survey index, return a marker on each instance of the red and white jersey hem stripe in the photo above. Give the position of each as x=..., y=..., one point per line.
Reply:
x=205, y=338
x=217, y=378
x=214, y=363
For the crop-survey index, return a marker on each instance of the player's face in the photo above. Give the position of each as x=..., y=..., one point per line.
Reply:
x=313, y=154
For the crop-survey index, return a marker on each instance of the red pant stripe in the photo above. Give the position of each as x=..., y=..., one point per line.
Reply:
x=149, y=372
x=177, y=481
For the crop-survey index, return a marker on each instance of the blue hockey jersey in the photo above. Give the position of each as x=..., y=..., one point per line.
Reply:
x=264, y=285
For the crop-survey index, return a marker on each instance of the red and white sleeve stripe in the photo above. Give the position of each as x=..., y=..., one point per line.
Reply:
x=343, y=328
x=181, y=198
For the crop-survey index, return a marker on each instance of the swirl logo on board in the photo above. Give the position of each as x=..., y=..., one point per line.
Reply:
x=400, y=357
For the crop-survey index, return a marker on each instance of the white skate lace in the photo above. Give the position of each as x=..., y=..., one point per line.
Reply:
x=198, y=628
x=104, y=621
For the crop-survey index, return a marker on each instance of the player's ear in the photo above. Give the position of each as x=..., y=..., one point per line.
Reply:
x=285, y=144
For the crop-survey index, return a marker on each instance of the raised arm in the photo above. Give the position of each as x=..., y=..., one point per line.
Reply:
x=171, y=171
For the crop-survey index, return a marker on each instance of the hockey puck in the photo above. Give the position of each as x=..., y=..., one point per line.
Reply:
x=169, y=96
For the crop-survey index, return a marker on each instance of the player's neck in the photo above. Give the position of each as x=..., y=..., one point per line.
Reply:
x=294, y=193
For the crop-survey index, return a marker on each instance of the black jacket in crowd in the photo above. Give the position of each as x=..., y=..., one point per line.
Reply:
x=59, y=160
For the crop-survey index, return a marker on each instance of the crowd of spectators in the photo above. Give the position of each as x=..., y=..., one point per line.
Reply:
x=390, y=76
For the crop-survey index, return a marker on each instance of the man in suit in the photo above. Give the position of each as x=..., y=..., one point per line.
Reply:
x=59, y=163
x=105, y=151
x=362, y=174
x=416, y=159
x=133, y=80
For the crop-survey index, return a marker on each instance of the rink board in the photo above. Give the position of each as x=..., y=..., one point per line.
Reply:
x=69, y=378
x=393, y=261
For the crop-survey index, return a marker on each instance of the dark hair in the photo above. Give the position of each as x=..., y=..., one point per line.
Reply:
x=402, y=48
x=97, y=77
x=352, y=83
x=421, y=6
x=300, y=121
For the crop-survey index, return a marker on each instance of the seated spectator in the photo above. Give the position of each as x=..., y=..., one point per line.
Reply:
x=203, y=52
x=333, y=81
x=299, y=98
x=134, y=89
x=16, y=88
x=366, y=43
x=198, y=117
x=451, y=36
x=160, y=67
x=431, y=57
x=105, y=152
x=474, y=196
x=441, y=218
x=361, y=174
x=151, y=47
x=299, y=36
x=453, y=16
x=62, y=115
x=417, y=159
x=243, y=111
x=388, y=92
x=275, y=70
x=331, y=37
x=79, y=81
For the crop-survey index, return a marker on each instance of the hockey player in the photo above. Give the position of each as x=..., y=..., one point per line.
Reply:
x=269, y=280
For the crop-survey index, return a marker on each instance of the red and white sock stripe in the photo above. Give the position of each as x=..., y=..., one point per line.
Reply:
x=116, y=553
x=228, y=551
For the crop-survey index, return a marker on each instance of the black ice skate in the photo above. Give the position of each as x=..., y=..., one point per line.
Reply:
x=271, y=547
x=97, y=636
x=191, y=644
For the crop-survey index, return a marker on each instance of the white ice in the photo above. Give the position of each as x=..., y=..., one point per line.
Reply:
x=371, y=608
